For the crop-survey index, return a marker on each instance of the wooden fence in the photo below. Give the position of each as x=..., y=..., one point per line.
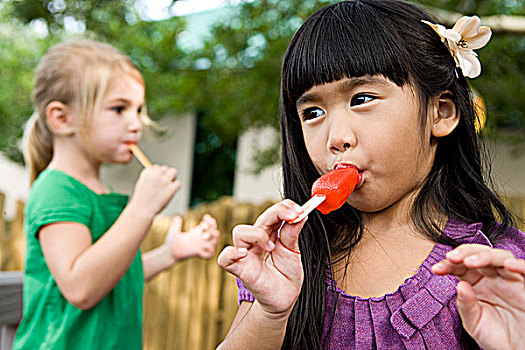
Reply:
x=12, y=242
x=188, y=307
x=192, y=305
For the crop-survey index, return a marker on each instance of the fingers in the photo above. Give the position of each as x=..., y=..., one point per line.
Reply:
x=208, y=225
x=491, y=263
x=155, y=187
x=515, y=265
x=170, y=173
x=176, y=224
x=272, y=217
x=290, y=235
x=175, y=228
x=264, y=232
x=246, y=236
x=209, y=220
x=274, y=221
x=207, y=251
x=468, y=305
x=262, y=237
x=162, y=174
x=446, y=267
x=229, y=256
x=463, y=251
x=161, y=177
x=474, y=257
x=163, y=171
x=210, y=234
x=174, y=186
x=473, y=261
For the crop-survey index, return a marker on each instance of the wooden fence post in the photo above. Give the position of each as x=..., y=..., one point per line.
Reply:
x=192, y=305
x=12, y=242
x=16, y=261
x=3, y=233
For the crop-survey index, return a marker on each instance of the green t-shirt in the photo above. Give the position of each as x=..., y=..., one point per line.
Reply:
x=49, y=320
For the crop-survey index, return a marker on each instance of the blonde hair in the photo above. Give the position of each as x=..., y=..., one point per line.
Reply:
x=77, y=73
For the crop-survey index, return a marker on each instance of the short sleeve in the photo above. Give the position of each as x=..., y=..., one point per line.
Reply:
x=244, y=293
x=57, y=199
x=512, y=240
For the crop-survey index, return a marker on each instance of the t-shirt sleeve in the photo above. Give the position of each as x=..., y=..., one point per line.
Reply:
x=244, y=293
x=57, y=200
x=512, y=240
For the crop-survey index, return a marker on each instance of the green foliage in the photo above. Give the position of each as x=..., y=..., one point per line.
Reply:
x=233, y=80
x=245, y=58
x=248, y=54
x=102, y=17
x=20, y=51
x=502, y=82
x=213, y=167
x=479, y=7
x=503, y=85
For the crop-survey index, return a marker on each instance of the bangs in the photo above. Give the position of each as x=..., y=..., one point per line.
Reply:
x=336, y=43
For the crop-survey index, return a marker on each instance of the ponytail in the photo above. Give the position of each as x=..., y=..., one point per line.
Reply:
x=38, y=145
x=76, y=73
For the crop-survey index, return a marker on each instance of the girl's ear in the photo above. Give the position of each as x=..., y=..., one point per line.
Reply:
x=445, y=115
x=59, y=118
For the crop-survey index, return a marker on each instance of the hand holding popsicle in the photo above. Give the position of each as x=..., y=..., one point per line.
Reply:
x=156, y=185
x=330, y=191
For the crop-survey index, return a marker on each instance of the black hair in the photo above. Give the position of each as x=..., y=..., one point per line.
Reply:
x=387, y=38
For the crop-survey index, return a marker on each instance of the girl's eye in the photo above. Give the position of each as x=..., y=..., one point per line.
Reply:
x=359, y=99
x=118, y=109
x=312, y=113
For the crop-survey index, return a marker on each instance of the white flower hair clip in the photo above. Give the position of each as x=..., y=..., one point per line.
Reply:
x=466, y=36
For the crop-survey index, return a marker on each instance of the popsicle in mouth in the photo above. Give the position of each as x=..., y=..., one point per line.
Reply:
x=139, y=155
x=330, y=191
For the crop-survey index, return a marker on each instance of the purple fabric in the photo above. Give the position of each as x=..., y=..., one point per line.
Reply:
x=420, y=314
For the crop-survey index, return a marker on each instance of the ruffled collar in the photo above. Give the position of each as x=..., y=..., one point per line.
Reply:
x=422, y=296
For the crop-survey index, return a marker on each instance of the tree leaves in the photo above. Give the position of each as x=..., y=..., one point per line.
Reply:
x=223, y=64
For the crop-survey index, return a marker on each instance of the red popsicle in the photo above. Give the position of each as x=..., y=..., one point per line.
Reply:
x=337, y=185
x=330, y=191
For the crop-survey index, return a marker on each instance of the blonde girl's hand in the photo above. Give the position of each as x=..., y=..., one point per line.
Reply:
x=491, y=294
x=155, y=187
x=199, y=241
x=269, y=264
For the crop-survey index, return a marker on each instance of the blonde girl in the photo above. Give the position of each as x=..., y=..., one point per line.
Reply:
x=84, y=272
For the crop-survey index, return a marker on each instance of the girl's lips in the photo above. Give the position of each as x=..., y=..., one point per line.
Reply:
x=348, y=165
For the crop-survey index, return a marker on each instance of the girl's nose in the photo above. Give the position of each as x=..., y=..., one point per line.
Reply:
x=341, y=134
x=135, y=124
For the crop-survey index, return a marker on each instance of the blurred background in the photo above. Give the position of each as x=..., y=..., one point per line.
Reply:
x=212, y=83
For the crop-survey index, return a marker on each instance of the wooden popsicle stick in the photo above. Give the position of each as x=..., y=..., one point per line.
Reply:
x=310, y=205
x=139, y=155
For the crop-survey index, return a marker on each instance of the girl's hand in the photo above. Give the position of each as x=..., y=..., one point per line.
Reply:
x=199, y=241
x=491, y=294
x=155, y=187
x=269, y=264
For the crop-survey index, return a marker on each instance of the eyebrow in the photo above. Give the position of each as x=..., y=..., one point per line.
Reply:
x=343, y=86
x=122, y=100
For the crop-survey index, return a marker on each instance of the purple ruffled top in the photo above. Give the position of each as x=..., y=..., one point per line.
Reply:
x=420, y=314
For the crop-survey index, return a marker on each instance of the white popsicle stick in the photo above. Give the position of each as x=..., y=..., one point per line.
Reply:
x=310, y=205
